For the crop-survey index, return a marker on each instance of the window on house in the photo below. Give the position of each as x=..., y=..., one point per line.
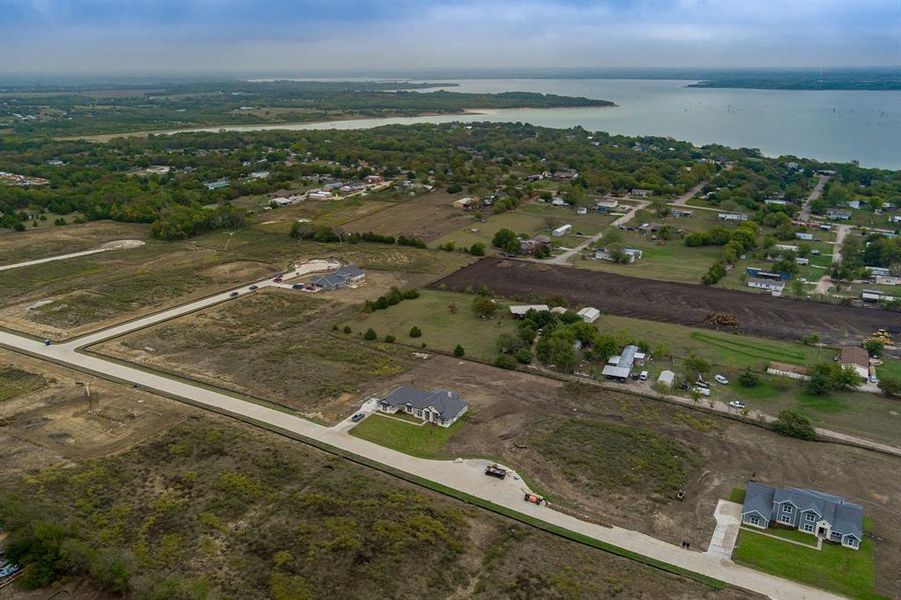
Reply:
x=754, y=520
x=852, y=542
x=811, y=517
x=786, y=519
x=787, y=509
x=808, y=527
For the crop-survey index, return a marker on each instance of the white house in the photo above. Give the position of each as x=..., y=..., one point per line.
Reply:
x=774, y=286
x=732, y=217
x=801, y=235
x=589, y=314
x=562, y=230
x=518, y=311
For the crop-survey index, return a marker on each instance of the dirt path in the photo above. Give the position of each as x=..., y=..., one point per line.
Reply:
x=817, y=191
x=825, y=281
x=107, y=247
x=566, y=257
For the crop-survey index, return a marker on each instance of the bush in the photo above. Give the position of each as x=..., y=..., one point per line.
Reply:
x=505, y=361
x=523, y=356
x=370, y=334
x=458, y=350
x=415, y=332
x=794, y=424
x=389, y=339
x=347, y=329
x=477, y=249
x=874, y=347
x=748, y=379
x=810, y=340
x=890, y=385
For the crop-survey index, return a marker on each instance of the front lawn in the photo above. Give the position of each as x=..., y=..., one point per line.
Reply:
x=833, y=568
x=424, y=441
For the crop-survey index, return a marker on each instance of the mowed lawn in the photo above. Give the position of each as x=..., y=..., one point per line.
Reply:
x=673, y=262
x=424, y=441
x=833, y=568
x=441, y=328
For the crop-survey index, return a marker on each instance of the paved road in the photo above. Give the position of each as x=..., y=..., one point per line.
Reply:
x=312, y=266
x=817, y=191
x=463, y=475
x=566, y=257
x=107, y=247
x=684, y=198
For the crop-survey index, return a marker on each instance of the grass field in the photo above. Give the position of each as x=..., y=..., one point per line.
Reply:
x=833, y=568
x=673, y=262
x=15, y=382
x=424, y=441
x=441, y=328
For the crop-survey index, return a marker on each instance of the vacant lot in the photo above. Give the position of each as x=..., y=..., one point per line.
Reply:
x=445, y=319
x=603, y=452
x=214, y=509
x=272, y=345
x=685, y=304
x=426, y=217
x=30, y=244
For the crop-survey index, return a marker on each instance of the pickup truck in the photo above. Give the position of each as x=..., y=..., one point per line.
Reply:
x=496, y=471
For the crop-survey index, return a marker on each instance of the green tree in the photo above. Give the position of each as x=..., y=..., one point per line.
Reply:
x=506, y=240
x=370, y=334
x=794, y=424
x=458, y=350
x=890, y=385
x=483, y=307
x=347, y=329
x=477, y=249
x=748, y=379
x=415, y=332
x=695, y=365
x=505, y=361
x=874, y=347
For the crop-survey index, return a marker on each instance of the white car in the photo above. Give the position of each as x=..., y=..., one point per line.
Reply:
x=701, y=391
x=721, y=379
x=737, y=404
x=643, y=376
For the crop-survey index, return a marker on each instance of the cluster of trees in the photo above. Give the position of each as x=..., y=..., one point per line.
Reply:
x=735, y=242
x=395, y=296
x=181, y=222
x=318, y=232
x=828, y=376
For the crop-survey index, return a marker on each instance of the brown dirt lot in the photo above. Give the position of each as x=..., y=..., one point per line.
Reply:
x=426, y=217
x=43, y=242
x=56, y=423
x=512, y=413
x=685, y=304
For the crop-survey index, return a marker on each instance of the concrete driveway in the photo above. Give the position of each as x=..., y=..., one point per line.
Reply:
x=728, y=522
x=367, y=408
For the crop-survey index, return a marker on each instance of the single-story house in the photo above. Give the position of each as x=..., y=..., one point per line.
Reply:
x=887, y=280
x=802, y=261
x=785, y=248
x=348, y=276
x=681, y=212
x=640, y=193
x=438, y=407
x=822, y=515
x=775, y=202
x=589, y=314
x=666, y=378
x=622, y=367
x=518, y=311
x=373, y=179
x=562, y=230
x=319, y=195
x=855, y=204
x=802, y=235
x=894, y=219
x=218, y=184
x=633, y=254
x=771, y=285
x=875, y=296
x=878, y=271
x=731, y=217
x=530, y=246
x=605, y=206
x=856, y=357
x=838, y=215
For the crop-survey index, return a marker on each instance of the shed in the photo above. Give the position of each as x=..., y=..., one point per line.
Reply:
x=589, y=314
x=666, y=378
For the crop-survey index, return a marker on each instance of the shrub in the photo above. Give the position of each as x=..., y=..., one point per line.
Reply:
x=874, y=347
x=794, y=424
x=505, y=361
x=477, y=249
x=890, y=385
x=370, y=334
x=347, y=329
x=389, y=339
x=748, y=379
x=458, y=350
x=415, y=332
x=523, y=356
x=811, y=340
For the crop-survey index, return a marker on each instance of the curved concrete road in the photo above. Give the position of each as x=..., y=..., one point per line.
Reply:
x=463, y=475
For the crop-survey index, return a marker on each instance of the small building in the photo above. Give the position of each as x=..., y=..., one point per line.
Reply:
x=437, y=407
x=581, y=211
x=373, y=179
x=878, y=272
x=875, y=296
x=803, y=235
x=349, y=276
x=681, y=212
x=519, y=311
x=319, y=195
x=894, y=219
x=282, y=201
x=589, y=314
x=462, y=202
x=775, y=202
x=667, y=378
x=632, y=253
x=855, y=204
x=785, y=248
x=562, y=230
x=731, y=217
x=606, y=206
x=641, y=193
x=856, y=357
x=559, y=310
x=773, y=286
x=838, y=214
x=787, y=370
x=827, y=517
x=218, y=184
x=532, y=245
x=258, y=175
x=622, y=368
x=558, y=201
x=887, y=280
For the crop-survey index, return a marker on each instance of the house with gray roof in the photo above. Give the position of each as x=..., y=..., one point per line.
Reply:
x=620, y=367
x=439, y=407
x=348, y=276
x=821, y=515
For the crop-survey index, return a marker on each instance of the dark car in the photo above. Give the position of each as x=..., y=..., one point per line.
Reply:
x=233, y=294
x=358, y=417
x=253, y=287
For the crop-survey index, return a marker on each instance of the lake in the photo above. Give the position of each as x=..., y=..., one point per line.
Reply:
x=824, y=125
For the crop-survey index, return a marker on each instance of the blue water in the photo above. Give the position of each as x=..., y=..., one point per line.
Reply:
x=824, y=125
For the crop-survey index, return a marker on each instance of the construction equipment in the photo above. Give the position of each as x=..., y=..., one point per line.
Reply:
x=882, y=336
x=721, y=319
x=534, y=499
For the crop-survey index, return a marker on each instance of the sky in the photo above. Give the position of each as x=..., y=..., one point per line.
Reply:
x=310, y=37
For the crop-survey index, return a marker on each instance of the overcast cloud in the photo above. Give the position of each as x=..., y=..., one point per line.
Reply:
x=47, y=36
